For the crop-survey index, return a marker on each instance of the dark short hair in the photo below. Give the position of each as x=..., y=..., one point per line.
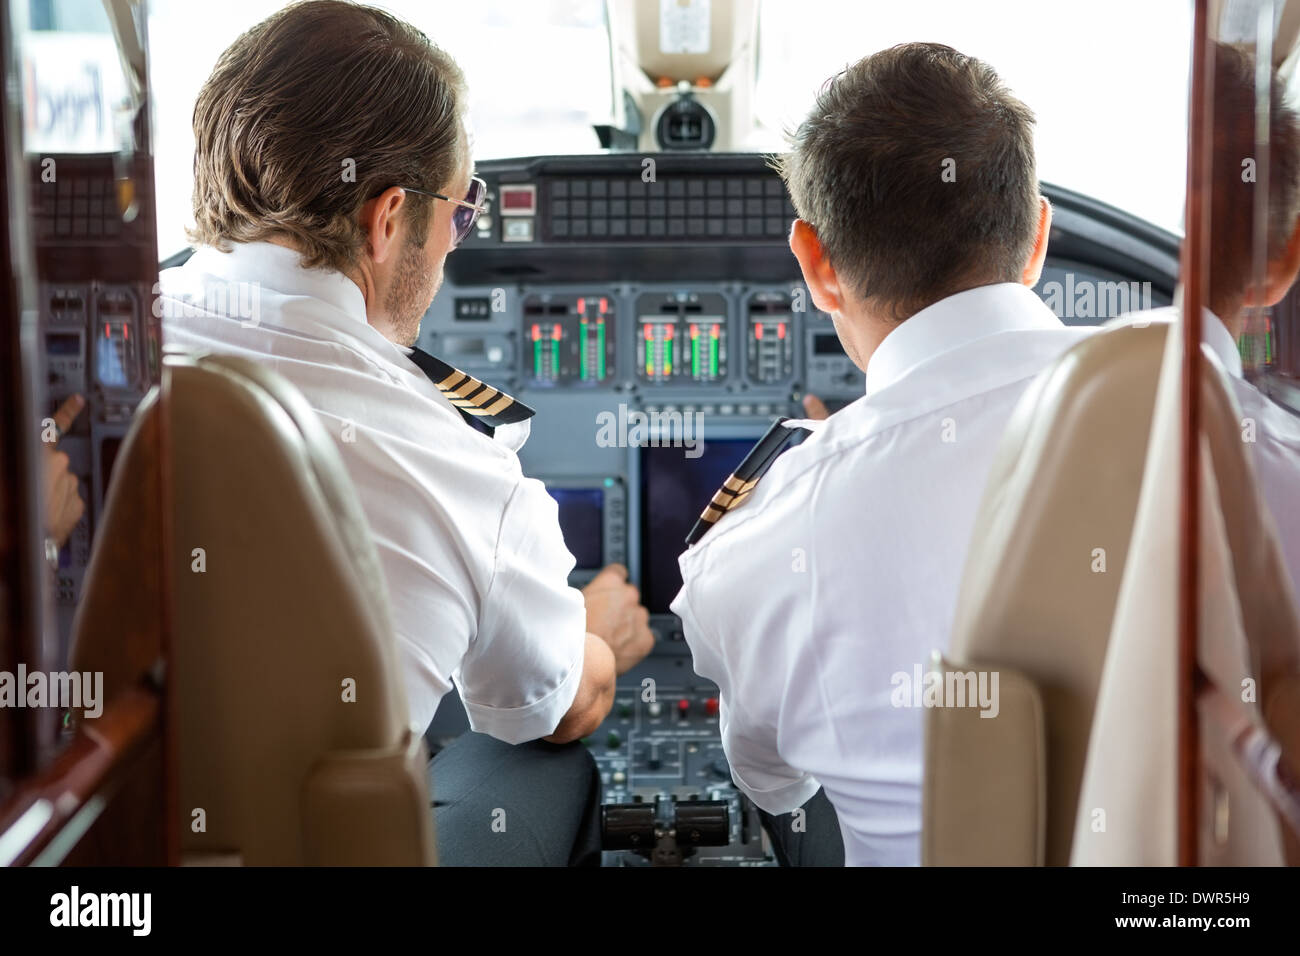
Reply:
x=866, y=169
x=317, y=109
x=1232, y=193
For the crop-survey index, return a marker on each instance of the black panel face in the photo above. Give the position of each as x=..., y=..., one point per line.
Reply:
x=827, y=343
x=770, y=338
x=681, y=337
x=685, y=207
x=569, y=339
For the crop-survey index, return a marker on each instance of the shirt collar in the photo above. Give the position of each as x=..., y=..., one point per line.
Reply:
x=955, y=321
x=1218, y=340
x=280, y=270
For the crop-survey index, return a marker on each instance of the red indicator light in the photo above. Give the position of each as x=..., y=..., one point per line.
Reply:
x=582, y=306
x=683, y=706
x=537, y=331
x=780, y=330
x=126, y=332
x=715, y=332
x=711, y=706
x=668, y=331
x=649, y=333
x=517, y=199
x=695, y=331
x=758, y=330
x=603, y=305
x=555, y=334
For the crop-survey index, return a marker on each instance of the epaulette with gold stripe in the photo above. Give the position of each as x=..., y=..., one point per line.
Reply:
x=778, y=439
x=486, y=404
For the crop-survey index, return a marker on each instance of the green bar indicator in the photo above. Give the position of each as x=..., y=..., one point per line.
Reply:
x=537, y=358
x=713, y=354
x=600, y=349
x=582, y=350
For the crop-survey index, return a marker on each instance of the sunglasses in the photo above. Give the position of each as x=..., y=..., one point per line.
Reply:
x=467, y=209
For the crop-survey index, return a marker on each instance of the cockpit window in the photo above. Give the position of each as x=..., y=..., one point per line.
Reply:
x=538, y=75
x=1107, y=79
x=73, y=87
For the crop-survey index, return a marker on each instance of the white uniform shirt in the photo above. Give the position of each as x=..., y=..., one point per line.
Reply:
x=472, y=551
x=841, y=570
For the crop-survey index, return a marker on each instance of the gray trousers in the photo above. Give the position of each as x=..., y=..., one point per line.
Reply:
x=497, y=804
x=819, y=843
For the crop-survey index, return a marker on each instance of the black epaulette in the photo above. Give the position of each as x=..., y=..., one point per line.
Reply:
x=487, y=405
x=736, y=489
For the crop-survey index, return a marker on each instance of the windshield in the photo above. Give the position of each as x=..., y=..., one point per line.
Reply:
x=1107, y=79
x=538, y=74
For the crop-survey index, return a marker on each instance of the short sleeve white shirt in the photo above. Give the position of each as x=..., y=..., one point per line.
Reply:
x=841, y=570
x=471, y=549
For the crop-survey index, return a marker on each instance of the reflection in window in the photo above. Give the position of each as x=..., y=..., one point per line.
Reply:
x=72, y=78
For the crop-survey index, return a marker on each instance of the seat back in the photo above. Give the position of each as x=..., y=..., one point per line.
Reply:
x=1049, y=563
x=1248, y=658
x=291, y=722
x=1037, y=596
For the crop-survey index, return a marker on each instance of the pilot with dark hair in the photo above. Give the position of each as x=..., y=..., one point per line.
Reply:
x=332, y=178
x=825, y=570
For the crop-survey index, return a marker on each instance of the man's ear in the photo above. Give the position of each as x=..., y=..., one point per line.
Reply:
x=1281, y=274
x=379, y=221
x=1034, y=267
x=818, y=273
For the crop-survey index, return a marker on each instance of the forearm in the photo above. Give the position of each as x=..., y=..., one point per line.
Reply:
x=595, y=694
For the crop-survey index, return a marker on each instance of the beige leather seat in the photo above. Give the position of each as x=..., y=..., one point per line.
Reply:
x=1064, y=484
x=1248, y=655
x=292, y=726
x=1038, y=598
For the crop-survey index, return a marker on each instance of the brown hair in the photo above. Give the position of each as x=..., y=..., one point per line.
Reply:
x=866, y=171
x=317, y=109
x=1232, y=193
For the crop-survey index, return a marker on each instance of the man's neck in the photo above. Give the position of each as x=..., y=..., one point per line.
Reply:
x=868, y=333
x=359, y=276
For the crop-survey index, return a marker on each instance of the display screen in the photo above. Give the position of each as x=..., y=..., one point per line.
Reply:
x=113, y=356
x=517, y=200
x=582, y=519
x=63, y=343
x=827, y=344
x=674, y=490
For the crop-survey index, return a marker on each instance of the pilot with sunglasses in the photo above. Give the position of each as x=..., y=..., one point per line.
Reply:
x=332, y=179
